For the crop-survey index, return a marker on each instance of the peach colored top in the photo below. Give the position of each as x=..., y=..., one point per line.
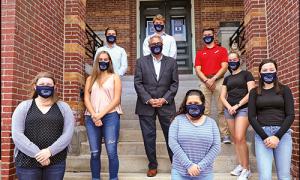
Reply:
x=101, y=96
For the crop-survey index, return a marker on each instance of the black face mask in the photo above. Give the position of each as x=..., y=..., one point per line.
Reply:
x=195, y=110
x=45, y=91
x=111, y=38
x=208, y=39
x=103, y=66
x=234, y=65
x=268, y=77
x=156, y=49
x=159, y=27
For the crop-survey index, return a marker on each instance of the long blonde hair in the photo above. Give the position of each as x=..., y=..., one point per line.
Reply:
x=40, y=75
x=96, y=69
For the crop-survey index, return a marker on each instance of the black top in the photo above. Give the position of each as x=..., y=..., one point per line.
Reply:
x=237, y=88
x=271, y=109
x=43, y=130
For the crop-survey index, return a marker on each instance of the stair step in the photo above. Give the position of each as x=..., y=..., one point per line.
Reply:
x=139, y=163
x=142, y=176
x=137, y=148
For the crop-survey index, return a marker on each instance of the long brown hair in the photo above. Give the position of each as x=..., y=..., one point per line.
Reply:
x=277, y=84
x=96, y=70
x=192, y=92
x=40, y=75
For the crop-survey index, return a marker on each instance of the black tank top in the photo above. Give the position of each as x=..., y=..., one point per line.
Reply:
x=43, y=130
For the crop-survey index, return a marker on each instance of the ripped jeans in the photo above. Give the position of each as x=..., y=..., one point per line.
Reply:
x=110, y=131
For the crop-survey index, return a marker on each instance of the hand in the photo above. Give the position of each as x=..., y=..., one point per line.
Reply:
x=231, y=110
x=194, y=170
x=210, y=84
x=43, y=155
x=155, y=103
x=98, y=123
x=162, y=101
x=45, y=163
x=97, y=116
x=271, y=142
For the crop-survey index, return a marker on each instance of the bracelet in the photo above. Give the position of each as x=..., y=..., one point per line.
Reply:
x=205, y=80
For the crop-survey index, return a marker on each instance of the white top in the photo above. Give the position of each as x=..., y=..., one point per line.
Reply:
x=118, y=56
x=169, y=45
x=157, y=65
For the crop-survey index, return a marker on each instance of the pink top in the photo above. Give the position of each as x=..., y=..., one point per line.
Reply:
x=101, y=96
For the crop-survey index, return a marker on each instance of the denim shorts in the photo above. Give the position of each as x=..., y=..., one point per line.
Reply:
x=241, y=112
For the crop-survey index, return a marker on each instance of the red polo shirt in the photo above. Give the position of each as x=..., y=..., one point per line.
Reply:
x=210, y=59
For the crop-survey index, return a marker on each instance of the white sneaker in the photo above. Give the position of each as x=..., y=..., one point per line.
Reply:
x=237, y=170
x=244, y=175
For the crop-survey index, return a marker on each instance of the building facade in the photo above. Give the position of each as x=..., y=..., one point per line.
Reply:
x=50, y=35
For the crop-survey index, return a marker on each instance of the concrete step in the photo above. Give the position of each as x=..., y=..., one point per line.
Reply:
x=142, y=176
x=139, y=164
x=137, y=148
x=135, y=135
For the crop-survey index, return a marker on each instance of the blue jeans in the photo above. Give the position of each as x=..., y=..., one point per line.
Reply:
x=110, y=131
x=53, y=172
x=282, y=155
x=175, y=175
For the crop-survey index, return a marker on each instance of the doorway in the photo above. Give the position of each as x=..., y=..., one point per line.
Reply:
x=178, y=24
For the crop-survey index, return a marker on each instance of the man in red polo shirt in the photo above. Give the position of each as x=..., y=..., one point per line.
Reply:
x=211, y=65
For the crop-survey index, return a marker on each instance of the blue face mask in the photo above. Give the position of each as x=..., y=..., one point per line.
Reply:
x=195, y=110
x=103, y=66
x=208, y=39
x=234, y=65
x=45, y=91
x=159, y=27
x=156, y=49
x=111, y=38
x=268, y=77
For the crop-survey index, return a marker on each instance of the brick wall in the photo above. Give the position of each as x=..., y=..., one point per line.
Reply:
x=283, y=45
x=272, y=31
x=31, y=41
x=211, y=13
x=74, y=56
x=117, y=14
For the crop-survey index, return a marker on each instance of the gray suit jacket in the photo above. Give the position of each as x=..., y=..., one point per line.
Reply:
x=147, y=86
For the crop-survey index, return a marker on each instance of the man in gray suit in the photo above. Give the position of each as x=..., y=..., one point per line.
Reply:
x=156, y=84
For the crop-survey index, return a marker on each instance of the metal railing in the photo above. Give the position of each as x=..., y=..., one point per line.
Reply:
x=238, y=37
x=93, y=42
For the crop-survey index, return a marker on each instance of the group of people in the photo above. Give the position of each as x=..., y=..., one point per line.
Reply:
x=42, y=127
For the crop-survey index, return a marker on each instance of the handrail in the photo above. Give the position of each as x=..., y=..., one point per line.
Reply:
x=93, y=42
x=238, y=37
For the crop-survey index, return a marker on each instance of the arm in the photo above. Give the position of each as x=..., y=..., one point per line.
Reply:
x=250, y=85
x=214, y=149
x=171, y=93
x=222, y=71
x=124, y=63
x=175, y=146
x=117, y=95
x=200, y=74
x=18, y=126
x=252, y=115
x=223, y=96
x=138, y=83
x=87, y=97
x=69, y=123
x=146, y=49
x=289, y=112
x=173, y=48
